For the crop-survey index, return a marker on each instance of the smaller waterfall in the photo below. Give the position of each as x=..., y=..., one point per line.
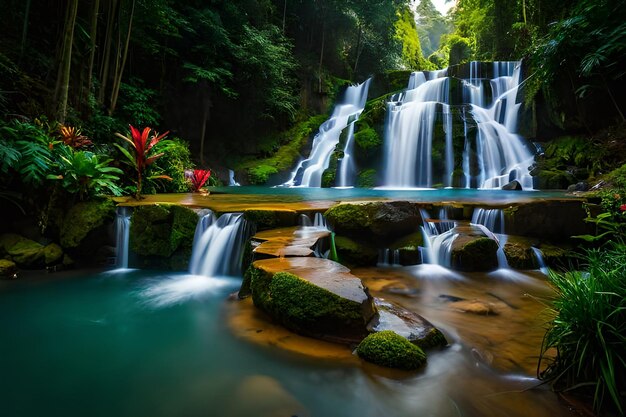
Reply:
x=218, y=245
x=346, y=165
x=122, y=232
x=320, y=221
x=438, y=238
x=492, y=219
x=503, y=263
x=231, y=179
x=304, y=220
x=309, y=171
x=540, y=261
x=388, y=257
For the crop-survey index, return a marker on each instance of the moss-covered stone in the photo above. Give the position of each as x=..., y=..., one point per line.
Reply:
x=323, y=300
x=83, y=219
x=389, y=349
x=353, y=253
x=261, y=174
x=53, y=254
x=552, y=221
x=374, y=220
x=162, y=235
x=366, y=178
x=367, y=139
x=8, y=269
x=519, y=253
x=409, y=248
x=270, y=219
x=479, y=254
x=24, y=252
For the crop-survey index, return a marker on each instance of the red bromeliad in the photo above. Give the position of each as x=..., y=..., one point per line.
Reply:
x=198, y=178
x=142, y=143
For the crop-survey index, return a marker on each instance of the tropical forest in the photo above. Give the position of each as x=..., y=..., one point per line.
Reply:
x=313, y=208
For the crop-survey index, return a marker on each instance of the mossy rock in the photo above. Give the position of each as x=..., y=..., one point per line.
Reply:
x=389, y=349
x=8, y=269
x=553, y=179
x=473, y=250
x=24, y=252
x=367, y=139
x=322, y=301
x=162, y=235
x=53, y=254
x=270, y=219
x=519, y=252
x=355, y=253
x=409, y=248
x=551, y=221
x=374, y=220
x=260, y=175
x=86, y=219
x=366, y=178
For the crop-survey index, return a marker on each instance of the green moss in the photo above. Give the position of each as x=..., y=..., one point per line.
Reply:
x=367, y=139
x=53, y=254
x=284, y=150
x=25, y=252
x=389, y=349
x=354, y=253
x=366, y=178
x=476, y=255
x=8, y=269
x=160, y=230
x=433, y=339
x=263, y=219
x=84, y=217
x=302, y=306
x=412, y=241
x=349, y=217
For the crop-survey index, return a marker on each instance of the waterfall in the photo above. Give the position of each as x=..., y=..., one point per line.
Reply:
x=218, y=245
x=304, y=220
x=438, y=237
x=122, y=232
x=346, y=165
x=231, y=179
x=492, y=219
x=309, y=171
x=320, y=221
x=540, y=261
x=427, y=110
x=388, y=257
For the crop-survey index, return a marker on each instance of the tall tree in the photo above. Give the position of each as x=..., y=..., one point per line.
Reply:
x=63, y=79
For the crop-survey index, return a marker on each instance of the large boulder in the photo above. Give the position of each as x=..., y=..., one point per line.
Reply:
x=162, y=236
x=8, y=269
x=354, y=253
x=408, y=248
x=473, y=250
x=312, y=296
x=24, y=252
x=84, y=227
x=374, y=220
x=519, y=252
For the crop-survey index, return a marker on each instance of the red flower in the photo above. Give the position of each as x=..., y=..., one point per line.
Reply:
x=198, y=178
x=622, y=207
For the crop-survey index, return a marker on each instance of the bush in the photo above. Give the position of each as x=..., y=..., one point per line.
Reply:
x=589, y=329
x=175, y=160
x=389, y=349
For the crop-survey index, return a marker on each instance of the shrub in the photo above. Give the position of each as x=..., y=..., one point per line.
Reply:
x=175, y=160
x=389, y=349
x=589, y=329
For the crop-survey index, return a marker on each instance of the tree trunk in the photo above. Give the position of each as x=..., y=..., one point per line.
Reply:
x=358, y=52
x=206, y=113
x=319, y=69
x=119, y=70
x=284, y=15
x=66, y=59
x=104, y=69
x=25, y=29
x=92, y=38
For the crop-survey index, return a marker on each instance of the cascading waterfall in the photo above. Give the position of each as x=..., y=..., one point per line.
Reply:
x=309, y=171
x=438, y=237
x=493, y=221
x=231, y=179
x=122, y=232
x=540, y=261
x=492, y=159
x=388, y=257
x=218, y=245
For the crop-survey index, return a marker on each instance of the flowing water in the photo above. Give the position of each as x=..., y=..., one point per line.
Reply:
x=309, y=171
x=105, y=344
x=122, y=232
x=493, y=154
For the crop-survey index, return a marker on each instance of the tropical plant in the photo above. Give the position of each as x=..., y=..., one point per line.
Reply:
x=73, y=137
x=197, y=178
x=85, y=174
x=176, y=158
x=589, y=329
x=141, y=146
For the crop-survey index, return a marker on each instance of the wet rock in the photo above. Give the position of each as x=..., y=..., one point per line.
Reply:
x=407, y=324
x=24, y=252
x=549, y=220
x=579, y=186
x=270, y=219
x=354, y=253
x=475, y=307
x=374, y=220
x=409, y=248
x=513, y=186
x=449, y=298
x=85, y=224
x=53, y=254
x=519, y=253
x=473, y=250
x=289, y=241
x=162, y=235
x=389, y=349
x=263, y=396
x=8, y=269
x=312, y=296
